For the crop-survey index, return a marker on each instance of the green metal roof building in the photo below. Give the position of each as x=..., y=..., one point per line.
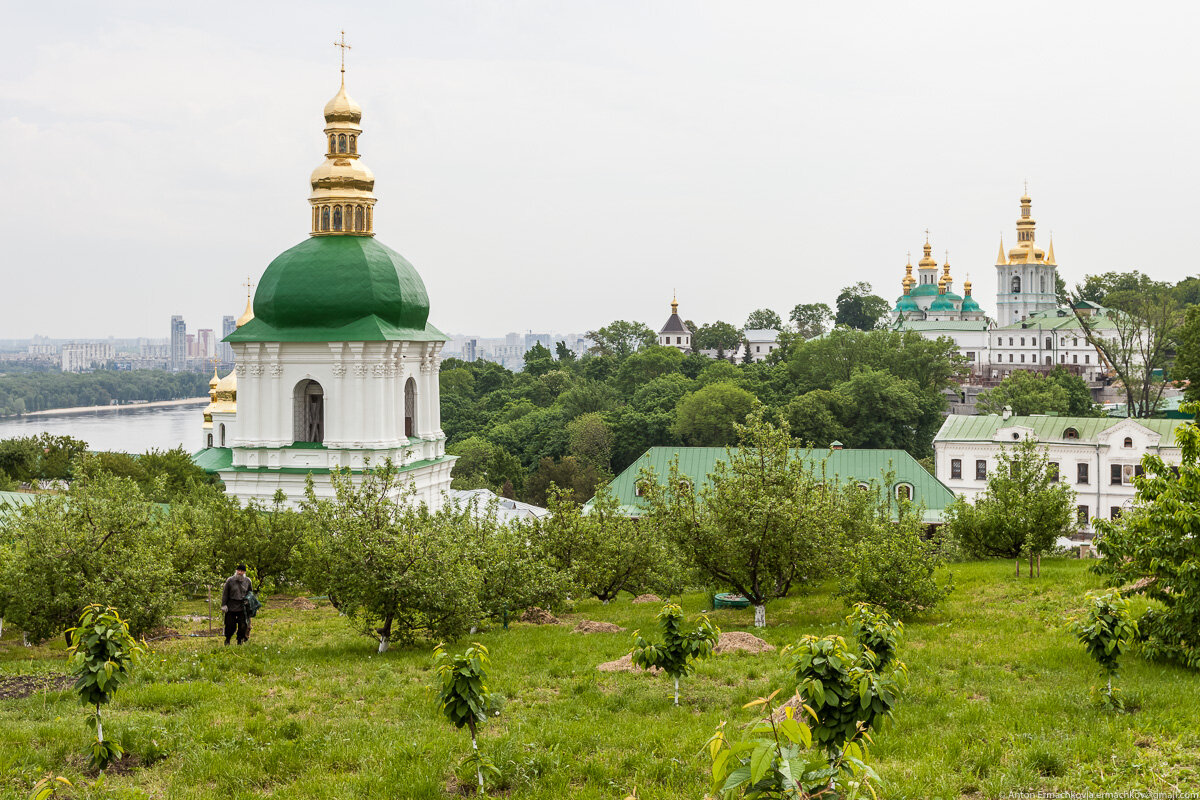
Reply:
x=851, y=466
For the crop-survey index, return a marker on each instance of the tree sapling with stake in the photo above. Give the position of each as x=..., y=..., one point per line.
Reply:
x=102, y=657
x=679, y=651
x=463, y=696
x=1106, y=629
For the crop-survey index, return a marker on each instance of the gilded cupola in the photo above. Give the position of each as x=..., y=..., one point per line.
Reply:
x=342, y=199
x=1025, y=252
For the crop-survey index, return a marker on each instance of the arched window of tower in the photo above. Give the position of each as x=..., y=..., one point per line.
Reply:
x=341, y=142
x=308, y=412
x=410, y=408
x=1016, y=284
x=353, y=143
x=325, y=218
x=337, y=218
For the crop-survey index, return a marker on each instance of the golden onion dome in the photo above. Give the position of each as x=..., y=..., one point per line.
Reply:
x=342, y=109
x=212, y=383
x=248, y=314
x=341, y=175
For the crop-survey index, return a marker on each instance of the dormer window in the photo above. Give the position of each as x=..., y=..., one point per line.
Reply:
x=1070, y=433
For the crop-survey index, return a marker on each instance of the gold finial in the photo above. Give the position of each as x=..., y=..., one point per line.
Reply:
x=342, y=44
x=1001, y=259
x=248, y=314
x=674, y=303
x=927, y=236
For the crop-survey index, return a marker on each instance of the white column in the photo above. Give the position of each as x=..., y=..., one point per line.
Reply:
x=354, y=409
x=277, y=416
x=335, y=429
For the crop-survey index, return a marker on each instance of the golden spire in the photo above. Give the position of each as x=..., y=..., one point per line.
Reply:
x=674, y=303
x=248, y=314
x=342, y=199
x=1050, y=255
x=1001, y=259
x=212, y=384
x=946, y=272
x=967, y=286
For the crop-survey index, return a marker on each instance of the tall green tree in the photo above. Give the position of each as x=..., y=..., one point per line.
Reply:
x=1187, y=357
x=763, y=319
x=858, y=308
x=811, y=319
x=761, y=526
x=720, y=336
x=539, y=360
x=1025, y=393
x=1023, y=511
x=710, y=415
x=620, y=338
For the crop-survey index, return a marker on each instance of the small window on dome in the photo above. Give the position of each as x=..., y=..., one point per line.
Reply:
x=332, y=143
x=358, y=218
x=337, y=218
x=325, y=218
x=353, y=143
x=341, y=142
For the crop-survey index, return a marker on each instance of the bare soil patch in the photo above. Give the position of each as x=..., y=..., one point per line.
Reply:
x=794, y=703
x=589, y=626
x=732, y=641
x=647, y=598
x=539, y=616
x=15, y=687
x=163, y=632
x=625, y=664
x=297, y=603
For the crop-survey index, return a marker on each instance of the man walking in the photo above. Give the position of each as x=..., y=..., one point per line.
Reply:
x=233, y=603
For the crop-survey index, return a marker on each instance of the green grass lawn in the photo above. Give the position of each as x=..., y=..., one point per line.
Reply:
x=997, y=701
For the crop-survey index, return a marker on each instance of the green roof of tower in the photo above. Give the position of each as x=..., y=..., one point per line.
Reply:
x=942, y=303
x=339, y=288
x=924, y=290
x=906, y=303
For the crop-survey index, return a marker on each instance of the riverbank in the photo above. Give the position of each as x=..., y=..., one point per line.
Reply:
x=186, y=401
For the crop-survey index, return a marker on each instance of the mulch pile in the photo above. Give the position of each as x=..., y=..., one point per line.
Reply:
x=539, y=616
x=732, y=641
x=298, y=603
x=17, y=686
x=647, y=598
x=625, y=664
x=588, y=626
x=798, y=712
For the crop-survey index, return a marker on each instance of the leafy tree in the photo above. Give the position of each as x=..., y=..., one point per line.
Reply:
x=1079, y=397
x=1154, y=547
x=1023, y=511
x=1111, y=288
x=1106, y=629
x=22, y=393
x=645, y=365
x=858, y=308
x=1026, y=393
x=679, y=650
x=635, y=431
x=587, y=395
x=881, y=411
x=390, y=566
x=621, y=338
x=578, y=478
x=811, y=319
x=463, y=696
x=932, y=364
x=1187, y=357
x=814, y=418
x=763, y=319
x=100, y=542
x=539, y=360
x=563, y=353
x=591, y=441
x=664, y=393
x=483, y=465
x=877, y=633
x=709, y=415
x=1136, y=340
x=772, y=761
x=719, y=336
x=763, y=524
x=604, y=552
x=103, y=654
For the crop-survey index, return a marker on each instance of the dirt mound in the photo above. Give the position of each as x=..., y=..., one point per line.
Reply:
x=731, y=641
x=647, y=598
x=588, y=626
x=539, y=616
x=18, y=686
x=798, y=712
x=298, y=603
x=625, y=664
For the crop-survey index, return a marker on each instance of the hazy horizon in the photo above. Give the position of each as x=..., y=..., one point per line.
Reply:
x=555, y=166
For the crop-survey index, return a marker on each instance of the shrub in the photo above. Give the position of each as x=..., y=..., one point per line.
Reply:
x=679, y=650
x=877, y=633
x=1106, y=630
x=893, y=566
x=463, y=696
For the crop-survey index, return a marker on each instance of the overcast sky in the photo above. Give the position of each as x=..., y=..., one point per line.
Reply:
x=557, y=164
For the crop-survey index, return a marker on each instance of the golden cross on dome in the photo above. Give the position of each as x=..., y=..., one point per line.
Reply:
x=342, y=44
x=927, y=235
x=249, y=284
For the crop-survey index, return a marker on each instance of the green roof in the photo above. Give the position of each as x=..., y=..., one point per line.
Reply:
x=10, y=501
x=906, y=303
x=983, y=427
x=948, y=325
x=339, y=288
x=969, y=304
x=326, y=471
x=213, y=459
x=1058, y=319
x=924, y=290
x=864, y=466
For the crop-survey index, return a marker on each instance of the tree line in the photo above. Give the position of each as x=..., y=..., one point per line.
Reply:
x=43, y=391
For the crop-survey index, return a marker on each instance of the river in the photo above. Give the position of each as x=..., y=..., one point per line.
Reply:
x=129, y=428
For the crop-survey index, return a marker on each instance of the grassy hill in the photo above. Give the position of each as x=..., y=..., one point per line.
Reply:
x=997, y=702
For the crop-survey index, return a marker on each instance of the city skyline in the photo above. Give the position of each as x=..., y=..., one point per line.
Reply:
x=747, y=157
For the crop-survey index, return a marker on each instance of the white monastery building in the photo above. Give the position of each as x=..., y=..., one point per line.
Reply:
x=1097, y=456
x=336, y=363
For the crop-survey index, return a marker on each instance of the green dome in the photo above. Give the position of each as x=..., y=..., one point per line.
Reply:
x=339, y=288
x=906, y=303
x=942, y=304
x=924, y=290
x=970, y=306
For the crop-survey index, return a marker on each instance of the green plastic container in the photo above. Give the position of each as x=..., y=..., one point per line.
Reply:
x=729, y=600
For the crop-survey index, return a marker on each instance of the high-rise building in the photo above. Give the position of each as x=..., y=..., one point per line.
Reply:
x=80, y=356
x=228, y=326
x=206, y=344
x=470, y=349
x=179, y=354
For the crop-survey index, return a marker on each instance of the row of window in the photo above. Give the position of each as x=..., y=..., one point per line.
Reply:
x=903, y=491
x=1016, y=284
x=342, y=218
x=1062, y=341
x=1062, y=358
x=1119, y=474
x=1083, y=516
x=341, y=143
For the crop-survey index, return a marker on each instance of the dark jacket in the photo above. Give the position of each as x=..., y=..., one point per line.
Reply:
x=233, y=596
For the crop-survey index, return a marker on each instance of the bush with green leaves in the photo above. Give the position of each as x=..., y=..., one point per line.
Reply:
x=100, y=542
x=103, y=654
x=1106, y=630
x=877, y=633
x=1155, y=549
x=679, y=650
x=391, y=566
x=892, y=564
x=463, y=696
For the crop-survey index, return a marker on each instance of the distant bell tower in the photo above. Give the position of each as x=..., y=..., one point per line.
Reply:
x=1026, y=277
